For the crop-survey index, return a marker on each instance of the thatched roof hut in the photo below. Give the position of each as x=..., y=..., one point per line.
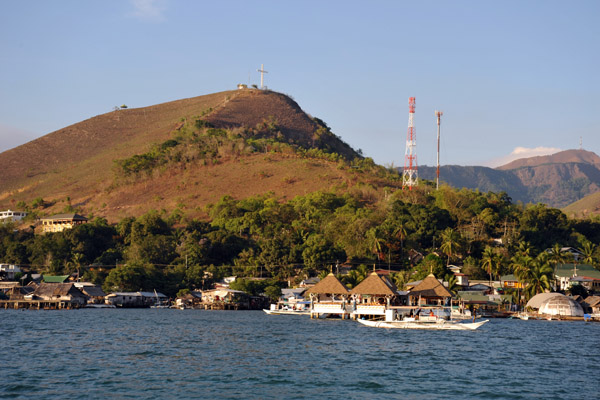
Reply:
x=329, y=285
x=430, y=287
x=375, y=285
x=60, y=291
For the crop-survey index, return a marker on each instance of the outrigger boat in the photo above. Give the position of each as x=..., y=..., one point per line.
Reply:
x=411, y=323
x=394, y=320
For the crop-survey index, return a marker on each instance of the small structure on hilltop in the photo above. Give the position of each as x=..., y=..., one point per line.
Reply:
x=329, y=297
x=429, y=292
x=60, y=222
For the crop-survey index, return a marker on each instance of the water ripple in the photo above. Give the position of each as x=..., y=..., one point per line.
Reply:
x=127, y=354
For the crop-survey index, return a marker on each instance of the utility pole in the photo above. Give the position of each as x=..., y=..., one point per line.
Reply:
x=262, y=75
x=410, y=176
x=438, y=114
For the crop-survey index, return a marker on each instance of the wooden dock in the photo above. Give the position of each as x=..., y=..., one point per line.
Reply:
x=38, y=305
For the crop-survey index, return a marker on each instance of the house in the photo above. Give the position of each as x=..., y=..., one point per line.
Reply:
x=462, y=279
x=135, y=299
x=510, y=282
x=94, y=292
x=571, y=252
x=9, y=271
x=60, y=222
x=591, y=284
x=55, y=278
x=310, y=282
x=429, y=291
x=564, y=273
x=591, y=305
x=11, y=216
x=63, y=293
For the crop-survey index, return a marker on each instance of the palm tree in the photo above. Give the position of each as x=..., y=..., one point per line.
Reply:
x=400, y=278
x=588, y=249
x=452, y=285
x=525, y=248
x=556, y=255
x=540, y=276
x=375, y=243
x=450, y=243
x=488, y=261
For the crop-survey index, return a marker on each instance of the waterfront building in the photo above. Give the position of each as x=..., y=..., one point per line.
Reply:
x=64, y=294
x=8, y=271
x=373, y=295
x=329, y=296
x=561, y=306
x=60, y=222
x=94, y=292
x=430, y=291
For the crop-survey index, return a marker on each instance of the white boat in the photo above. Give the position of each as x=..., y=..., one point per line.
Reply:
x=286, y=311
x=411, y=323
x=99, y=305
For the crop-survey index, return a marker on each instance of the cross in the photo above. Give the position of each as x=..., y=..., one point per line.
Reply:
x=262, y=74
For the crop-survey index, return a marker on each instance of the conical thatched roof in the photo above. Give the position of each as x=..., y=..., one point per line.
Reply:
x=329, y=285
x=430, y=287
x=375, y=285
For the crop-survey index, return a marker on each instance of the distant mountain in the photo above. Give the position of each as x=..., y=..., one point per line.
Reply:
x=557, y=180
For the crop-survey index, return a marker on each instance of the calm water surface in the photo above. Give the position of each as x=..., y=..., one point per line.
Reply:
x=168, y=354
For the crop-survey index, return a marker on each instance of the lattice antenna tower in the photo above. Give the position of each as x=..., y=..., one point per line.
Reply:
x=410, y=175
x=438, y=114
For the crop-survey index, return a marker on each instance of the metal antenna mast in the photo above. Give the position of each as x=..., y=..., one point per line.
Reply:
x=262, y=75
x=410, y=176
x=438, y=114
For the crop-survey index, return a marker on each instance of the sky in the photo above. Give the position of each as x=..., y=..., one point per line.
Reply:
x=513, y=78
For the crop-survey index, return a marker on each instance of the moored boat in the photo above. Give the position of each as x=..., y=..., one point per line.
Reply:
x=411, y=323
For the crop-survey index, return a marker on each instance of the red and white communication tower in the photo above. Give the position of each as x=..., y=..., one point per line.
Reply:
x=410, y=176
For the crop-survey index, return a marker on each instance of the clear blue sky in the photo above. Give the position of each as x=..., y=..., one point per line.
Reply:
x=506, y=74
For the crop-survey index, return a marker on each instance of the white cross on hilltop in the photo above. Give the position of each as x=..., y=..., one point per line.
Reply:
x=262, y=75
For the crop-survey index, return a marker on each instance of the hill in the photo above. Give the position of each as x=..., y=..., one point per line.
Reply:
x=180, y=155
x=557, y=180
x=586, y=207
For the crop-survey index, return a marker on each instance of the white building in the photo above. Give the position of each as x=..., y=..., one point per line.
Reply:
x=11, y=216
x=8, y=271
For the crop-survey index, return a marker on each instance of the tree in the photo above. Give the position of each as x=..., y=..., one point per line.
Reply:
x=540, y=276
x=451, y=243
x=588, y=249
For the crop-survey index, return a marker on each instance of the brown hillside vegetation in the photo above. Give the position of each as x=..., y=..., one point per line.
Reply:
x=75, y=166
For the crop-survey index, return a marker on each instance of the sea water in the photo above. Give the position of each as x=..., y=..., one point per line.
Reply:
x=171, y=354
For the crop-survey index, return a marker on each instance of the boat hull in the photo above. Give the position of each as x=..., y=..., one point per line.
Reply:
x=441, y=325
x=287, y=312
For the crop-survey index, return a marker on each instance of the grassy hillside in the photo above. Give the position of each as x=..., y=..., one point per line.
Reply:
x=183, y=155
x=587, y=207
